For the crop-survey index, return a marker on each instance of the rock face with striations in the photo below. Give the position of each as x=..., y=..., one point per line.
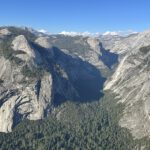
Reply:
x=22, y=96
x=131, y=43
x=27, y=53
x=4, y=32
x=131, y=82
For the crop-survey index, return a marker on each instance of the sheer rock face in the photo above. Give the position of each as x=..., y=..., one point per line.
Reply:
x=20, y=43
x=21, y=96
x=20, y=100
x=93, y=56
x=94, y=44
x=44, y=42
x=131, y=82
x=4, y=32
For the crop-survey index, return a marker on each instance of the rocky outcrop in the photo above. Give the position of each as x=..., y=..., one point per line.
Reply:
x=94, y=44
x=23, y=93
x=44, y=42
x=131, y=43
x=26, y=52
x=20, y=98
x=131, y=83
x=4, y=32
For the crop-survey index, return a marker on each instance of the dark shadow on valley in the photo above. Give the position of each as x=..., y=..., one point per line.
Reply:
x=108, y=58
x=83, y=82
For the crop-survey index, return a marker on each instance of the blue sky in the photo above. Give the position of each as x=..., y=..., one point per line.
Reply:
x=77, y=15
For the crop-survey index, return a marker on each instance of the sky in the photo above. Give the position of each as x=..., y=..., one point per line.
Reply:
x=77, y=15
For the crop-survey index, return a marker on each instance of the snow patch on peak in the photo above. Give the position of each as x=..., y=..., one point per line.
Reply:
x=110, y=33
x=72, y=33
x=86, y=33
x=119, y=33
